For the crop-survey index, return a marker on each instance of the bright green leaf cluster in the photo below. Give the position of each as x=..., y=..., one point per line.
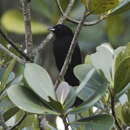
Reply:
x=100, y=6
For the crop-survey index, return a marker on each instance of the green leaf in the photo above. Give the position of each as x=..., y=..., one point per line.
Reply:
x=62, y=92
x=7, y=107
x=10, y=113
x=124, y=90
x=90, y=90
x=12, y=20
x=115, y=29
x=31, y=122
x=70, y=98
x=120, y=54
x=88, y=59
x=10, y=77
x=118, y=57
x=7, y=73
x=5, y=104
x=98, y=122
x=122, y=7
x=122, y=77
x=121, y=69
x=128, y=95
x=100, y=6
x=80, y=71
x=19, y=69
x=55, y=105
x=39, y=81
x=26, y=100
x=125, y=112
x=103, y=60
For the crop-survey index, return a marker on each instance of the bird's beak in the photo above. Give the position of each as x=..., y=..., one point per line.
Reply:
x=51, y=29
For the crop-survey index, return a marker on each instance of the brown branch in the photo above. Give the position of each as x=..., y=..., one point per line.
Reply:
x=26, y=7
x=71, y=50
x=72, y=20
x=9, y=53
x=113, y=110
x=13, y=44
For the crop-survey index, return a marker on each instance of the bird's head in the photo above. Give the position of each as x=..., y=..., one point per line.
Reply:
x=61, y=30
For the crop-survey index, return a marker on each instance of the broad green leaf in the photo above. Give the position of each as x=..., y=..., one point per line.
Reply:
x=119, y=113
x=120, y=54
x=7, y=73
x=121, y=68
x=125, y=112
x=123, y=92
x=103, y=59
x=70, y=98
x=90, y=90
x=39, y=81
x=98, y=122
x=26, y=100
x=122, y=77
x=80, y=71
x=12, y=21
x=122, y=7
x=118, y=57
x=62, y=92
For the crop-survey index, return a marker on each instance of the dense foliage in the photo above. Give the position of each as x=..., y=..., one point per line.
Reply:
x=28, y=97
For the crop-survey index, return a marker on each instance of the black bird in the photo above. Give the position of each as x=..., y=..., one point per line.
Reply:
x=61, y=44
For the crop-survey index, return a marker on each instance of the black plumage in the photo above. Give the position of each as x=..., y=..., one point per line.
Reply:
x=61, y=44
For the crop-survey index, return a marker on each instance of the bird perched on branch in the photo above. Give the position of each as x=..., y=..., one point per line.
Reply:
x=61, y=44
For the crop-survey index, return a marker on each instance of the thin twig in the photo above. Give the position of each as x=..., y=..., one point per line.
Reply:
x=2, y=122
x=71, y=50
x=9, y=53
x=75, y=21
x=26, y=7
x=65, y=15
x=19, y=122
x=50, y=36
x=113, y=110
x=13, y=44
